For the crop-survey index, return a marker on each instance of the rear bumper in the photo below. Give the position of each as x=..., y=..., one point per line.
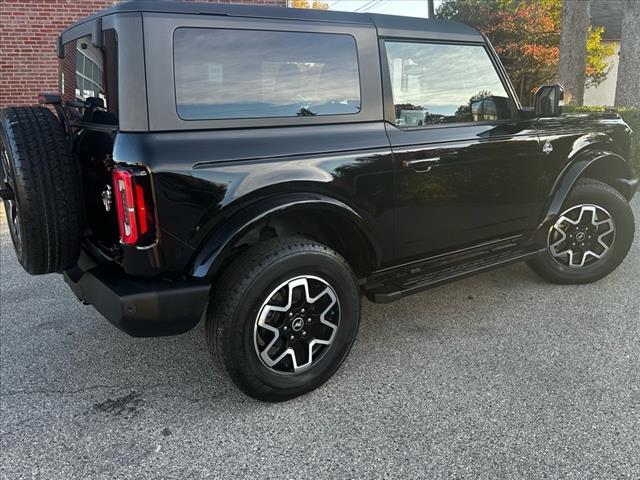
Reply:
x=139, y=307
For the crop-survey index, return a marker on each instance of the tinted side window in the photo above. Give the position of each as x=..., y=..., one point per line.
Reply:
x=87, y=71
x=438, y=83
x=224, y=74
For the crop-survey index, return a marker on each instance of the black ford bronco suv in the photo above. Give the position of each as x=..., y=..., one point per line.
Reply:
x=265, y=167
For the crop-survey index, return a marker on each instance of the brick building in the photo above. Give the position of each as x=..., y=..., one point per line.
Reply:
x=28, y=35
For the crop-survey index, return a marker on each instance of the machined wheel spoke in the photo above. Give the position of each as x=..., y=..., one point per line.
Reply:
x=581, y=236
x=290, y=337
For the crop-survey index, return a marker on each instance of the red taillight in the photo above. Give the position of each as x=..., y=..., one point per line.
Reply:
x=133, y=205
x=141, y=210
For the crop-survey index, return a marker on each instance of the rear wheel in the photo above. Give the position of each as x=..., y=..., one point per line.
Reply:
x=41, y=188
x=591, y=237
x=283, y=318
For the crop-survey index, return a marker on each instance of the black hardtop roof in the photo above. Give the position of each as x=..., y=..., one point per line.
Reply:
x=387, y=25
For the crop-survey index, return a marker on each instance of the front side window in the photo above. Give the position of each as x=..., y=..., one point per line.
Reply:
x=225, y=74
x=439, y=83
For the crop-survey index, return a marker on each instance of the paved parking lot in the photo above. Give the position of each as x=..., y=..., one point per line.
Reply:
x=498, y=376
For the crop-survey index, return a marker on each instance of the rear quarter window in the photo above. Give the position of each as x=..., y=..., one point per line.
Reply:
x=87, y=71
x=227, y=74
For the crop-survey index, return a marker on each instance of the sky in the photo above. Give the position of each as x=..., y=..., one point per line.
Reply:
x=411, y=8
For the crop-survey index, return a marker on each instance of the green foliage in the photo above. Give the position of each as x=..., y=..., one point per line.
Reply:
x=632, y=118
x=526, y=35
x=315, y=4
x=597, y=54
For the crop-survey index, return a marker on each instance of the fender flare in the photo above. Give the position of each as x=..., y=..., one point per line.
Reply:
x=218, y=246
x=620, y=175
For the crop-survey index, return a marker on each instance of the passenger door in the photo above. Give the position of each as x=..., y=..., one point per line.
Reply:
x=465, y=165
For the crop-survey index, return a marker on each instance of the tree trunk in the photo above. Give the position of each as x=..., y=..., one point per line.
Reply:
x=431, y=9
x=628, y=82
x=573, y=49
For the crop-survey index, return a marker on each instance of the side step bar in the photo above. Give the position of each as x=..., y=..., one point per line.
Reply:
x=389, y=290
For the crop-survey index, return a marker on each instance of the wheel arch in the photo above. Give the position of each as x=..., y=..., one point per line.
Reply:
x=602, y=165
x=321, y=218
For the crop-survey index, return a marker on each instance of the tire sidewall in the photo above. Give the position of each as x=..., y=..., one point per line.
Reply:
x=242, y=352
x=17, y=187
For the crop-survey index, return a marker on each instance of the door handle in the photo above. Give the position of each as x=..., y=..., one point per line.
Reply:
x=421, y=165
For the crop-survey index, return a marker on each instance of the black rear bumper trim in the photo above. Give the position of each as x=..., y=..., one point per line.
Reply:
x=139, y=307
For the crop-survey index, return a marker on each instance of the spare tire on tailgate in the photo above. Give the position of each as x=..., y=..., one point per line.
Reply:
x=41, y=188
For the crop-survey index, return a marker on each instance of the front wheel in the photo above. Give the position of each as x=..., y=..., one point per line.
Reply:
x=590, y=238
x=283, y=317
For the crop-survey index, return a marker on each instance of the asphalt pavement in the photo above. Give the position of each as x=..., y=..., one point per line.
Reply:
x=497, y=376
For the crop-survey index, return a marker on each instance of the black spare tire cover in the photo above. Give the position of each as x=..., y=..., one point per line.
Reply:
x=42, y=189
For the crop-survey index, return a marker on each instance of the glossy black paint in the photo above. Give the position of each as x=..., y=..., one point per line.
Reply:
x=402, y=196
x=203, y=180
x=480, y=184
x=583, y=145
x=491, y=181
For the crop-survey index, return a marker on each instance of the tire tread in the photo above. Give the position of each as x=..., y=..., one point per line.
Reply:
x=49, y=188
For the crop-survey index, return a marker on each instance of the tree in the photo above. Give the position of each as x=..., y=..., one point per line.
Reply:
x=597, y=67
x=526, y=35
x=573, y=50
x=628, y=83
x=315, y=4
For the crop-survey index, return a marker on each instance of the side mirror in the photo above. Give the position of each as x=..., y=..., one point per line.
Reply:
x=548, y=100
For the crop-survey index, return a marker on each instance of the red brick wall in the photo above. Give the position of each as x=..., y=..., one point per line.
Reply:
x=28, y=33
